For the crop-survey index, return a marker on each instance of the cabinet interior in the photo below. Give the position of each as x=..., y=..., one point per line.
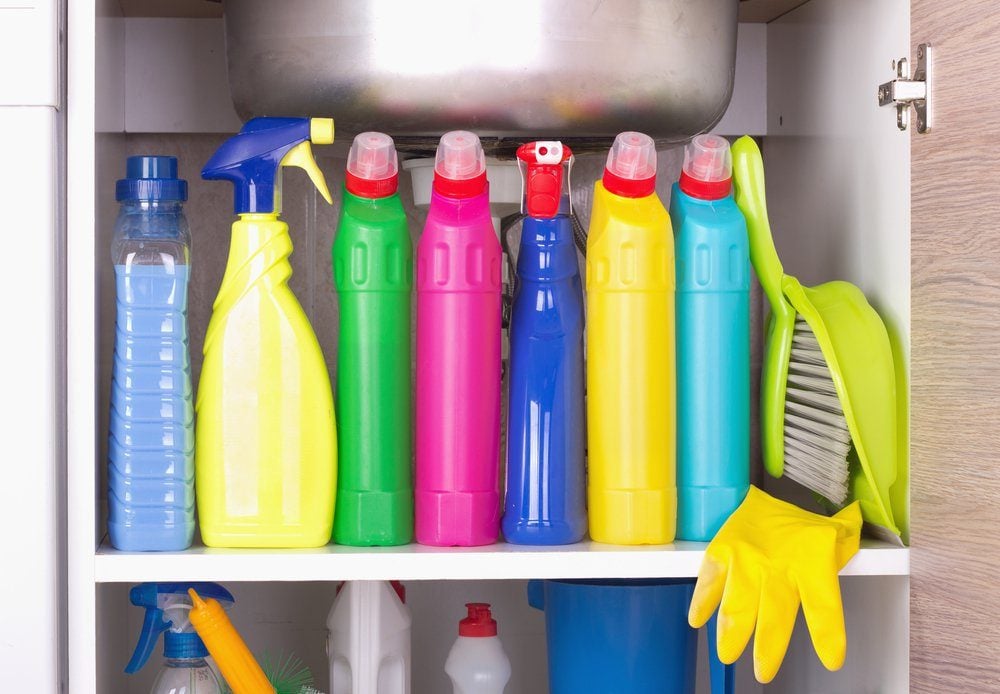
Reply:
x=838, y=190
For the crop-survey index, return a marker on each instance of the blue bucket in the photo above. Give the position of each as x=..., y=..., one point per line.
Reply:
x=618, y=636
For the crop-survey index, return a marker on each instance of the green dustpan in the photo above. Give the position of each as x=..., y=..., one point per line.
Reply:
x=854, y=343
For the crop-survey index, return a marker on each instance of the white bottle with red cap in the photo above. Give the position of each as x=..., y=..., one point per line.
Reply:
x=477, y=663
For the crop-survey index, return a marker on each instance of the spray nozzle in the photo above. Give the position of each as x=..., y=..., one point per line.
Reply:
x=252, y=159
x=167, y=608
x=707, y=172
x=460, y=165
x=631, y=168
x=372, y=166
x=544, y=187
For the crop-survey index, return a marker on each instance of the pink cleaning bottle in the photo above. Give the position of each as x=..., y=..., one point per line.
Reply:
x=457, y=494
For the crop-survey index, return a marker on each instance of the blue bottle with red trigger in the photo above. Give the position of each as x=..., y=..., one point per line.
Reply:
x=546, y=491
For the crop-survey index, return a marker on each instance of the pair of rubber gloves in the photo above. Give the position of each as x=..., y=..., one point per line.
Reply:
x=766, y=559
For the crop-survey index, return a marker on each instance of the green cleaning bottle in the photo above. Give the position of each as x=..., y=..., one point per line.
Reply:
x=372, y=268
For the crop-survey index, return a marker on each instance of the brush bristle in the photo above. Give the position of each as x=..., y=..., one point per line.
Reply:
x=287, y=674
x=817, y=439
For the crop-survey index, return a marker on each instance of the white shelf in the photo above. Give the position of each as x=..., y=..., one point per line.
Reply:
x=416, y=562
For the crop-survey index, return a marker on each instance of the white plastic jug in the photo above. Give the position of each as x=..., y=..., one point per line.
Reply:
x=477, y=663
x=369, y=640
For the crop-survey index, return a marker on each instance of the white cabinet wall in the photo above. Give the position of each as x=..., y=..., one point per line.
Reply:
x=31, y=498
x=838, y=173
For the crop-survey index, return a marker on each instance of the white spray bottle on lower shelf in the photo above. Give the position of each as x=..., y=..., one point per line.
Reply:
x=168, y=607
x=477, y=663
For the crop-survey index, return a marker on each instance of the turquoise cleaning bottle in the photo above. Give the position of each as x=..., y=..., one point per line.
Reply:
x=713, y=341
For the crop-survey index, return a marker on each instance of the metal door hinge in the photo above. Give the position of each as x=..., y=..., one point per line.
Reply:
x=904, y=92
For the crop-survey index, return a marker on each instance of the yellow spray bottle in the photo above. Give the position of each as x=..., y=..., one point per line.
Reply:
x=266, y=448
x=632, y=491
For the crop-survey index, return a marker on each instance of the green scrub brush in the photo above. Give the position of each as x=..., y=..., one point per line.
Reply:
x=288, y=674
x=828, y=380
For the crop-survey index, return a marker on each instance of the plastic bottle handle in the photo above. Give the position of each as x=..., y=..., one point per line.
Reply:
x=748, y=181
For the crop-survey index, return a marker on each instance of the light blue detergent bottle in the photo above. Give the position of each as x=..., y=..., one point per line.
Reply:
x=713, y=341
x=546, y=487
x=168, y=608
x=151, y=442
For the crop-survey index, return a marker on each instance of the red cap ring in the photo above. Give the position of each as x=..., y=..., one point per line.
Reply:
x=368, y=188
x=627, y=187
x=464, y=188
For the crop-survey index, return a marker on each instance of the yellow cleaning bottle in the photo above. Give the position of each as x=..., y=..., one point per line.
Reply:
x=632, y=491
x=266, y=447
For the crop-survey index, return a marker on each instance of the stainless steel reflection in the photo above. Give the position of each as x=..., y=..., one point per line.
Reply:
x=583, y=68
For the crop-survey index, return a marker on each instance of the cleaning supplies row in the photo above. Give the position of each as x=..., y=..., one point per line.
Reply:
x=193, y=617
x=602, y=636
x=267, y=443
x=636, y=322
x=368, y=646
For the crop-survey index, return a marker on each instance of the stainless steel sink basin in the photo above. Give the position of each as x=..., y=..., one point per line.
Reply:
x=577, y=69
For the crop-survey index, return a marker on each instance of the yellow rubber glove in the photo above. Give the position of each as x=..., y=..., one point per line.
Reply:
x=767, y=557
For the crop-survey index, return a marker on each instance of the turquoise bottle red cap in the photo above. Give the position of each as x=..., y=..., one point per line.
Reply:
x=479, y=623
x=707, y=173
x=631, y=168
x=372, y=166
x=151, y=178
x=460, y=165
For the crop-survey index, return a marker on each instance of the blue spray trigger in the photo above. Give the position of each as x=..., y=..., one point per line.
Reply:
x=252, y=158
x=153, y=624
x=151, y=597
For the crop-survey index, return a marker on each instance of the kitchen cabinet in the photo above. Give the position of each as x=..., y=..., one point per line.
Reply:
x=150, y=76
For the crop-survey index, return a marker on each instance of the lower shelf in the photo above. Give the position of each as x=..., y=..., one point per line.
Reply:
x=417, y=562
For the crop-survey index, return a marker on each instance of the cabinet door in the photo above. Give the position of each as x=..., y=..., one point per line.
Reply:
x=955, y=422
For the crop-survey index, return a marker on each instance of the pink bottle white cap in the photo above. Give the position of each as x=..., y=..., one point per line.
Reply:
x=708, y=168
x=631, y=168
x=372, y=166
x=460, y=165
